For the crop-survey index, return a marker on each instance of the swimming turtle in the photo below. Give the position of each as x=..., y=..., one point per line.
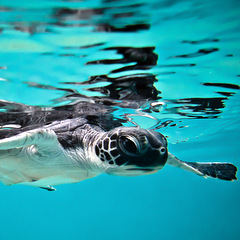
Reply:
x=56, y=148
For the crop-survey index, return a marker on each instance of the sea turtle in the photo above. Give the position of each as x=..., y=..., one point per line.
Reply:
x=56, y=148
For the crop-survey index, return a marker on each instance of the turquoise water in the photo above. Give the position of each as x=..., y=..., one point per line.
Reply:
x=50, y=50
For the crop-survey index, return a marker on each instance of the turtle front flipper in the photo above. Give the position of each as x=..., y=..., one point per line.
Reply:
x=223, y=171
x=29, y=157
x=39, y=137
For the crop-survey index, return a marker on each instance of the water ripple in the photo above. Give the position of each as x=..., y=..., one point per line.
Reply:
x=153, y=59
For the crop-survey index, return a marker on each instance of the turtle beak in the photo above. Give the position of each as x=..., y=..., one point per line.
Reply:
x=157, y=140
x=158, y=143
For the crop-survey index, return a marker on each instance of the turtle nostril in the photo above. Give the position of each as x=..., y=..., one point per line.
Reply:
x=162, y=150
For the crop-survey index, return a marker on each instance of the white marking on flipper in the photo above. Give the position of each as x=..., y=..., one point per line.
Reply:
x=40, y=137
x=11, y=126
x=175, y=162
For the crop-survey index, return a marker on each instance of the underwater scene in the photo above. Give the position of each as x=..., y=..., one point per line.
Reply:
x=167, y=66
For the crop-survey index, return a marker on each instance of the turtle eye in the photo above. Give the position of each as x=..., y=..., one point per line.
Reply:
x=129, y=145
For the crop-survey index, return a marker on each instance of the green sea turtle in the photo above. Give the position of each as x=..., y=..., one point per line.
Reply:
x=48, y=151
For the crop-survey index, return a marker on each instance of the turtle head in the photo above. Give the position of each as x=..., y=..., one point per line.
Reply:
x=130, y=151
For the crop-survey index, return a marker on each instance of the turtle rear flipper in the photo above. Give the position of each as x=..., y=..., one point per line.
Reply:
x=49, y=188
x=224, y=171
